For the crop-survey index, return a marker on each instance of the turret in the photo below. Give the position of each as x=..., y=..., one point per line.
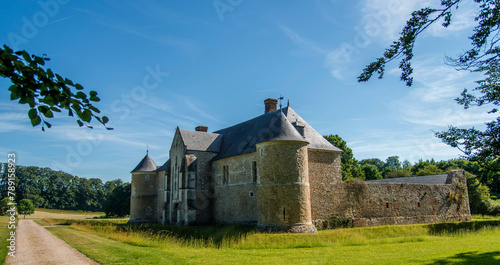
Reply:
x=283, y=184
x=143, y=194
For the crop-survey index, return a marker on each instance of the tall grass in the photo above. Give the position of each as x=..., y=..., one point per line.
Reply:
x=240, y=237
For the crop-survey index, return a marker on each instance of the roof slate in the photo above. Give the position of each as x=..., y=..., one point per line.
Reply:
x=241, y=138
x=433, y=179
x=201, y=141
x=146, y=165
x=316, y=140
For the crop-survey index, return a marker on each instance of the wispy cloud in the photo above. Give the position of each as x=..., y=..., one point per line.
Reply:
x=431, y=102
x=302, y=42
x=186, y=45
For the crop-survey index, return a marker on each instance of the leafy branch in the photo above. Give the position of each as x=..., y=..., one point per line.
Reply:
x=46, y=92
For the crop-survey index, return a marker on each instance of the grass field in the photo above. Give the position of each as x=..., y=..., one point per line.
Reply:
x=475, y=242
x=4, y=235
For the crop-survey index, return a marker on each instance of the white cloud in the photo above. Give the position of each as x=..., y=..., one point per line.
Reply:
x=431, y=102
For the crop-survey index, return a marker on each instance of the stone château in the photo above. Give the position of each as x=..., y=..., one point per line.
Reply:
x=279, y=174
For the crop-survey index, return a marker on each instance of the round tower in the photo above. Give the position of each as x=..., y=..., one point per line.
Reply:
x=283, y=195
x=143, y=193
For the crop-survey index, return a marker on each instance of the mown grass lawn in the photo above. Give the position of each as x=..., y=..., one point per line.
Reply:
x=466, y=243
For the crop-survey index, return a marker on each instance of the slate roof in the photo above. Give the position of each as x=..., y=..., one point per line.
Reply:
x=241, y=138
x=201, y=141
x=164, y=167
x=316, y=140
x=433, y=179
x=146, y=165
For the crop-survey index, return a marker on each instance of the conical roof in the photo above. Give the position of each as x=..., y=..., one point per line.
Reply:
x=146, y=165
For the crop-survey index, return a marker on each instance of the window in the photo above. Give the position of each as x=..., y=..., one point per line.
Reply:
x=418, y=204
x=225, y=174
x=148, y=211
x=387, y=205
x=254, y=171
x=146, y=178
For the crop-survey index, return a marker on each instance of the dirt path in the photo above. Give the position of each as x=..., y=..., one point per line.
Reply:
x=36, y=245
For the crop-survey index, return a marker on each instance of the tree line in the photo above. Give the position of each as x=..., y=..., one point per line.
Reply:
x=481, y=181
x=50, y=189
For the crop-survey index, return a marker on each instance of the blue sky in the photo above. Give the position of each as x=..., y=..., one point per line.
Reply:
x=160, y=65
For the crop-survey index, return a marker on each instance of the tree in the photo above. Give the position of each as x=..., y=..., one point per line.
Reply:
x=350, y=166
x=373, y=161
x=44, y=91
x=371, y=172
x=118, y=202
x=393, y=161
x=482, y=57
x=4, y=205
x=25, y=207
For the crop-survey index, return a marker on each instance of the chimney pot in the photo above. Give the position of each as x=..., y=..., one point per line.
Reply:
x=271, y=104
x=201, y=129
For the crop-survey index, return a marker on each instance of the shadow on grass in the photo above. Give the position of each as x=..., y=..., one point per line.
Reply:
x=470, y=258
x=461, y=227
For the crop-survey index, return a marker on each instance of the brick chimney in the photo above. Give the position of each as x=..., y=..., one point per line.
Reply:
x=201, y=129
x=271, y=104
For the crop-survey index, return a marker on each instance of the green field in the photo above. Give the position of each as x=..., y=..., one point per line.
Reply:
x=476, y=242
x=4, y=235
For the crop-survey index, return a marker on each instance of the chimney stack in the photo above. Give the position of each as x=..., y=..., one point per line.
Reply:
x=271, y=104
x=201, y=129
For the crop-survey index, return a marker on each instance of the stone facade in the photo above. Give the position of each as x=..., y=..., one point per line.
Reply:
x=277, y=173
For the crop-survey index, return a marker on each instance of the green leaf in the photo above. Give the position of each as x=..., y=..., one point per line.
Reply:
x=93, y=93
x=86, y=115
x=105, y=119
x=32, y=113
x=80, y=95
x=39, y=60
x=48, y=114
x=79, y=123
x=48, y=124
x=35, y=121
x=94, y=98
x=78, y=86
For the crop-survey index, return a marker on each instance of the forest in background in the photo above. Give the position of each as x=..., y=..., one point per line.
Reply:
x=51, y=189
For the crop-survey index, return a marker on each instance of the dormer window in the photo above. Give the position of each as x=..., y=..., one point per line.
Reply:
x=299, y=126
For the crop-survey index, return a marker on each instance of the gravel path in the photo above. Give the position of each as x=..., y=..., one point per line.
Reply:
x=36, y=245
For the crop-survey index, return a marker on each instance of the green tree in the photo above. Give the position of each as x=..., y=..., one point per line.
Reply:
x=350, y=166
x=373, y=161
x=4, y=205
x=118, y=202
x=44, y=91
x=25, y=207
x=482, y=57
x=393, y=161
x=371, y=172
x=479, y=195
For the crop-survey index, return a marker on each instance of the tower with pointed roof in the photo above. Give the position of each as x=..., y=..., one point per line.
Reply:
x=143, y=200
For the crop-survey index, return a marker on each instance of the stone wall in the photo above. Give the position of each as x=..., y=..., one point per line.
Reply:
x=235, y=201
x=369, y=204
x=325, y=172
x=283, y=187
x=201, y=186
x=143, y=199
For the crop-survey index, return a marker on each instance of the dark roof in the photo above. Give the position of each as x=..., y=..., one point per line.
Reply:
x=201, y=141
x=164, y=167
x=146, y=165
x=433, y=179
x=278, y=125
x=272, y=126
x=316, y=140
